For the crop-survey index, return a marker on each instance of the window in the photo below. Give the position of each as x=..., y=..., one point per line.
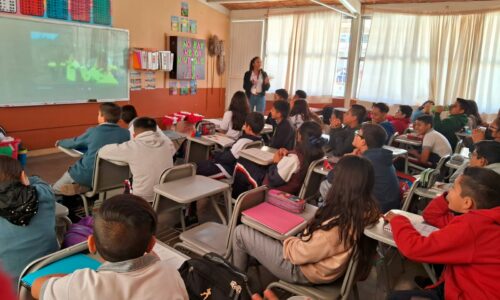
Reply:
x=342, y=57
x=365, y=34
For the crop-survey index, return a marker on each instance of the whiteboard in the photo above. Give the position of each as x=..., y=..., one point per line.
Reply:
x=50, y=62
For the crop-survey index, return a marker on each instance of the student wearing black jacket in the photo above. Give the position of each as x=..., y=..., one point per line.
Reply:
x=255, y=84
x=284, y=135
x=341, y=137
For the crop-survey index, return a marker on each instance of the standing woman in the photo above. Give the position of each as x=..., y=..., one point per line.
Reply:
x=255, y=84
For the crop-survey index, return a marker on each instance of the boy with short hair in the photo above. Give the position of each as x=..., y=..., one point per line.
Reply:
x=485, y=155
x=129, y=115
x=299, y=94
x=124, y=236
x=279, y=94
x=78, y=178
x=379, y=116
x=341, y=137
x=284, y=135
x=434, y=144
x=401, y=120
x=455, y=121
x=222, y=165
x=148, y=154
x=467, y=243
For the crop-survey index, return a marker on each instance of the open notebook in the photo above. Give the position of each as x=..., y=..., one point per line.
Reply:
x=274, y=217
x=417, y=222
x=259, y=154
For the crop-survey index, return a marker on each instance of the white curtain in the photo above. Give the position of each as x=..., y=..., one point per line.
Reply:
x=309, y=41
x=488, y=83
x=412, y=58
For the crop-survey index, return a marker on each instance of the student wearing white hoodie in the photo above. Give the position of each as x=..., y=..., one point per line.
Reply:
x=148, y=154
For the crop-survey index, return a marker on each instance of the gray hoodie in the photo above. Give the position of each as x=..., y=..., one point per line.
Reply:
x=148, y=155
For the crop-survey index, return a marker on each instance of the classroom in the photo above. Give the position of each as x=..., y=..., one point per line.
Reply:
x=249, y=149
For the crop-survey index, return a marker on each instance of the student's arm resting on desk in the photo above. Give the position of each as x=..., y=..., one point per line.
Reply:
x=453, y=244
x=76, y=142
x=437, y=212
x=36, y=288
x=280, y=173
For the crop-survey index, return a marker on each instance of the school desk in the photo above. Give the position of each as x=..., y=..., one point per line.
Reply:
x=197, y=149
x=259, y=156
x=71, y=152
x=308, y=214
x=403, y=139
x=193, y=188
x=177, y=138
x=378, y=233
x=398, y=152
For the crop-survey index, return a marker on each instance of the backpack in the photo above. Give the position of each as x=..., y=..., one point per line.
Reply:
x=78, y=232
x=214, y=278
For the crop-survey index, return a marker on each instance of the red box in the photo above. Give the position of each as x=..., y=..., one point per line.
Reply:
x=32, y=7
x=80, y=10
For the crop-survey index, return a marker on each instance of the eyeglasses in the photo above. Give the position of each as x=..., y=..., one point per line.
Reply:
x=357, y=132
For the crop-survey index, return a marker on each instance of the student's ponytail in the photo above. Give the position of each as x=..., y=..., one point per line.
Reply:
x=310, y=147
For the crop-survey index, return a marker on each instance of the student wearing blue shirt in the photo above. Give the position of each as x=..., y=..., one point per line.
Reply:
x=379, y=116
x=78, y=178
x=27, y=218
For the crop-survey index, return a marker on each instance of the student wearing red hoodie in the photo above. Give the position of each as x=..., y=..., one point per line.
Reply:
x=467, y=244
x=401, y=119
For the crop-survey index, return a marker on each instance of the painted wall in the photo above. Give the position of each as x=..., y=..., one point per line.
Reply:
x=40, y=126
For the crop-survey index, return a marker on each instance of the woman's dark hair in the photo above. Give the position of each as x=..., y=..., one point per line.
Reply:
x=128, y=113
x=349, y=208
x=310, y=146
x=481, y=184
x=473, y=110
x=240, y=109
x=123, y=227
x=300, y=107
x=250, y=68
x=423, y=104
x=10, y=169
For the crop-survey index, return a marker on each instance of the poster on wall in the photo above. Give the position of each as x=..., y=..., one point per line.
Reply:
x=184, y=25
x=189, y=58
x=184, y=88
x=193, y=26
x=194, y=87
x=135, y=81
x=174, y=23
x=172, y=87
x=184, y=9
x=150, y=81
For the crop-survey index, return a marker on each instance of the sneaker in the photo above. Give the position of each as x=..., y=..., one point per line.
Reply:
x=73, y=189
x=189, y=220
x=422, y=282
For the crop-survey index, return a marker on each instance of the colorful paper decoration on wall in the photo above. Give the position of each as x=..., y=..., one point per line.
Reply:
x=8, y=6
x=190, y=58
x=57, y=9
x=135, y=81
x=184, y=9
x=32, y=7
x=102, y=12
x=174, y=23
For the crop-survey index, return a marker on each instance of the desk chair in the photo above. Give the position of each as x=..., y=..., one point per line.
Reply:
x=339, y=289
x=392, y=138
x=25, y=293
x=107, y=176
x=216, y=237
x=312, y=181
x=171, y=174
x=62, y=222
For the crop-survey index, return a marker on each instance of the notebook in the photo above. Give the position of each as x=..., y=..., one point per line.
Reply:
x=417, y=222
x=259, y=154
x=171, y=256
x=274, y=217
x=222, y=140
x=66, y=265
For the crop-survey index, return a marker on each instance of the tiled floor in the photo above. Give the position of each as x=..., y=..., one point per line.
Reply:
x=51, y=167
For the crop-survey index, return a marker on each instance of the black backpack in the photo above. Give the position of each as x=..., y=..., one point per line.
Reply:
x=214, y=278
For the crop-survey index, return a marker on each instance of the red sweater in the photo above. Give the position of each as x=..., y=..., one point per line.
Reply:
x=469, y=246
x=399, y=124
x=6, y=292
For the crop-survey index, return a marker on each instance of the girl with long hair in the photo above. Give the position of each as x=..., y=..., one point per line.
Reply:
x=321, y=255
x=301, y=113
x=234, y=117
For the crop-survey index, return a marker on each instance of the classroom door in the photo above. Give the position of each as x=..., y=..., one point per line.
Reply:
x=247, y=41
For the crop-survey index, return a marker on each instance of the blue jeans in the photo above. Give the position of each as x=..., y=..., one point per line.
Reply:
x=257, y=102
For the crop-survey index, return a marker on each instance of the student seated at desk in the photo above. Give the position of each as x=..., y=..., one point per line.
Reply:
x=27, y=218
x=485, y=155
x=491, y=133
x=234, y=117
x=369, y=142
x=321, y=254
x=148, y=154
x=401, y=120
x=124, y=230
x=434, y=144
x=223, y=163
x=289, y=168
x=279, y=94
x=301, y=113
x=379, y=116
x=454, y=122
x=284, y=135
x=129, y=115
x=468, y=218
x=78, y=178
x=341, y=137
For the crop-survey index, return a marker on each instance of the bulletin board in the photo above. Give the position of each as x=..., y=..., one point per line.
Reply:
x=190, y=58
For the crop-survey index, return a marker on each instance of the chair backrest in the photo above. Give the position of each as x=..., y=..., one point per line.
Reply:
x=312, y=181
x=350, y=275
x=245, y=201
x=392, y=138
x=459, y=146
x=174, y=173
x=254, y=144
x=108, y=175
x=409, y=196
